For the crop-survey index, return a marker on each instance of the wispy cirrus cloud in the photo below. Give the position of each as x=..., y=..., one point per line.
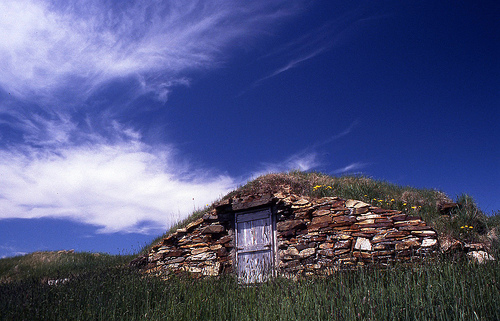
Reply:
x=64, y=152
x=308, y=158
x=302, y=161
x=322, y=39
x=353, y=167
x=54, y=46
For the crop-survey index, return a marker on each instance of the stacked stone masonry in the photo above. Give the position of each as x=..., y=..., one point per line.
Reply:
x=314, y=236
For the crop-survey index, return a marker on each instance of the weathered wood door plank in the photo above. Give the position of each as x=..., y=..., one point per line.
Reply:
x=254, y=243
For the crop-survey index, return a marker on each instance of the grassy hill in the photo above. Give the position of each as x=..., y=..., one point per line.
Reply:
x=465, y=222
x=88, y=286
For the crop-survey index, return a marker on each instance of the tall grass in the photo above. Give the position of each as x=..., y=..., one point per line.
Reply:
x=104, y=287
x=444, y=291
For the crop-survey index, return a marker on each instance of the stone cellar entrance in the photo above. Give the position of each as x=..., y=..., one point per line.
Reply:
x=255, y=241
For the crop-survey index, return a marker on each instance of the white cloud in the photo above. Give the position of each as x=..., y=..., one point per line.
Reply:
x=126, y=187
x=302, y=161
x=52, y=46
x=350, y=168
x=55, y=54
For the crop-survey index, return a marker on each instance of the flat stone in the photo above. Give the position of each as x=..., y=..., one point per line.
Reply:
x=292, y=251
x=213, y=229
x=199, y=250
x=211, y=270
x=176, y=260
x=360, y=210
x=321, y=212
x=188, y=246
x=176, y=252
x=356, y=204
x=202, y=256
x=364, y=255
x=368, y=216
x=322, y=219
x=224, y=239
x=307, y=252
x=342, y=244
x=480, y=256
x=363, y=244
x=325, y=246
x=424, y=233
x=194, y=224
x=290, y=225
x=192, y=269
x=428, y=242
x=301, y=201
x=342, y=220
x=316, y=227
x=304, y=214
x=341, y=252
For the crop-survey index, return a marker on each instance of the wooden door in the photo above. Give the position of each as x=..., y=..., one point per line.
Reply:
x=255, y=246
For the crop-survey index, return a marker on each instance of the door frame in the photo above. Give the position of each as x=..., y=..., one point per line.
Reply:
x=273, y=249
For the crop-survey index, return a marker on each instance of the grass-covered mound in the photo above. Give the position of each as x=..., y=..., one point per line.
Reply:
x=463, y=220
x=104, y=287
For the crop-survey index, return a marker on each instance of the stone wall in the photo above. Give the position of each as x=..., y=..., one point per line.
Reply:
x=315, y=236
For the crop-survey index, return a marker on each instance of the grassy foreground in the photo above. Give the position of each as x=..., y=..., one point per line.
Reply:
x=433, y=291
x=91, y=286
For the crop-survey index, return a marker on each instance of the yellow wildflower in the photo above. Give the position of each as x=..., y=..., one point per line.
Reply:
x=462, y=226
x=392, y=200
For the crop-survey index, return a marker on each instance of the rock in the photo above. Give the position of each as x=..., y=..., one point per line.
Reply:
x=307, y=252
x=474, y=246
x=480, y=256
x=363, y=244
x=301, y=201
x=202, y=256
x=449, y=244
x=292, y=251
x=342, y=245
x=176, y=260
x=322, y=219
x=343, y=220
x=290, y=225
x=321, y=212
x=199, y=250
x=368, y=216
x=424, y=233
x=428, y=242
x=325, y=246
x=213, y=229
x=194, y=224
x=360, y=210
x=356, y=204
x=188, y=246
x=211, y=270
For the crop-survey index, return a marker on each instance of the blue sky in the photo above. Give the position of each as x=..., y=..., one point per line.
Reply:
x=118, y=118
